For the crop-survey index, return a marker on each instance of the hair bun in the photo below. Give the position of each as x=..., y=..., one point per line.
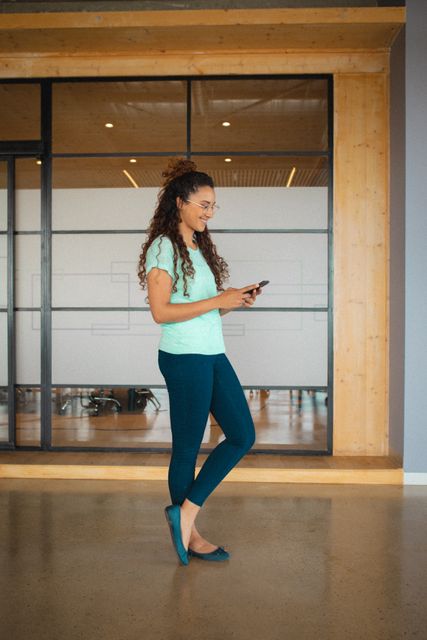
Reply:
x=177, y=167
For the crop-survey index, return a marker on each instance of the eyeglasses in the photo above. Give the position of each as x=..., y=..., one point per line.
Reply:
x=206, y=207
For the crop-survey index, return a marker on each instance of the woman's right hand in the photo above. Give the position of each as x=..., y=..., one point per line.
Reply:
x=232, y=297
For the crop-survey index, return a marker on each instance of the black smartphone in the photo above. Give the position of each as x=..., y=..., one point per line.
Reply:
x=261, y=284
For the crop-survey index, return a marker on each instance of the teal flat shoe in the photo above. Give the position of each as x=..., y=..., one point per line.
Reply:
x=173, y=518
x=216, y=555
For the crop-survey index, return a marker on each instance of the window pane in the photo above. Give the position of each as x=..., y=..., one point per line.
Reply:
x=95, y=193
x=295, y=264
x=100, y=270
x=27, y=270
x=19, y=111
x=110, y=417
x=273, y=171
x=146, y=116
x=271, y=208
x=96, y=270
x=3, y=271
x=278, y=348
x=267, y=114
x=3, y=195
x=28, y=403
x=295, y=419
x=105, y=347
x=3, y=350
x=4, y=414
x=27, y=194
x=140, y=417
x=28, y=349
x=120, y=348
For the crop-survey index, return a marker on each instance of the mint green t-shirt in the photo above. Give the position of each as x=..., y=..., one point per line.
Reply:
x=202, y=334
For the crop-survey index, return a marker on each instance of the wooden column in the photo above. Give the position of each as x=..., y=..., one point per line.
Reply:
x=361, y=228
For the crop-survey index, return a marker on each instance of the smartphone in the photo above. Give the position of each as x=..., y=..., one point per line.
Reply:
x=261, y=284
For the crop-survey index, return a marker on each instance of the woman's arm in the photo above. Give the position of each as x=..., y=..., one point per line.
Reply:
x=159, y=292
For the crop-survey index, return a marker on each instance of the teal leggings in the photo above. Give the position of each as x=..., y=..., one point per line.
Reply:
x=198, y=384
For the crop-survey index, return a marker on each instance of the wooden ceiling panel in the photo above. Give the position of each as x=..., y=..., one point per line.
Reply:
x=77, y=173
x=19, y=111
x=98, y=173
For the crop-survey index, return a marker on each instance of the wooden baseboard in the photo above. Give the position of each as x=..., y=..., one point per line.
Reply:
x=239, y=474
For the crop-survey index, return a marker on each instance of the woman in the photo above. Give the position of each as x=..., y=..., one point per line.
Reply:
x=184, y=274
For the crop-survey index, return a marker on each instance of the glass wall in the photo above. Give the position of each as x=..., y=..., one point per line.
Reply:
x=27, y=299
x=4, y=378
x=267, y=144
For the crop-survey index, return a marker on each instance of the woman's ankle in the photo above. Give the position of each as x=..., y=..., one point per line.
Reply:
x=189, y=511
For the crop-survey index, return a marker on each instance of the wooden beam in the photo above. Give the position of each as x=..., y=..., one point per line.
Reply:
x=179, y=63
x=195, y=18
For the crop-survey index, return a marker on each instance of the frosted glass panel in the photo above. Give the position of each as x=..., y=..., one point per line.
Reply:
x=3, y=349
x=3, y=195
x=27, y=210
x=99, y=270
x=271, y=208
x=28, y=351
x=267, y=348
x=3, y=271
x=102, y=208
x=27, y=194
x=3, y=209
x=241, y=208
x=104, y=348
x=295, y=264
x=27, y=282
x=278, y=348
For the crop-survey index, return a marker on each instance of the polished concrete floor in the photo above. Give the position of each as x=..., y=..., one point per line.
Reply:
x=89, y=559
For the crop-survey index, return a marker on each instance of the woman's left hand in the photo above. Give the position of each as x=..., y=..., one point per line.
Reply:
x=248, y=302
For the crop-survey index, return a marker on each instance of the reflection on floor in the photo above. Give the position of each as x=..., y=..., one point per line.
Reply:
x=122, y=417
x=94, y=559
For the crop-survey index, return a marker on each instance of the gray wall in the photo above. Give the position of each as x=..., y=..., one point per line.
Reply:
x=415, y=412
x=397, y=243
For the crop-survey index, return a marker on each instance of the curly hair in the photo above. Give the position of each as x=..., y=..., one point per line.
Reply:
x=181, y=178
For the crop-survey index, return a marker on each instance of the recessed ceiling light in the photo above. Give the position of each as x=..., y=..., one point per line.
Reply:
x=227, y=159
x=132, y=160
x=109, y=125
x=226, y=123
x=38, y=161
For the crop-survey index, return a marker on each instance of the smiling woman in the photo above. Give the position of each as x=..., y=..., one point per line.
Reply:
x=179, y=216
x=199, y=376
